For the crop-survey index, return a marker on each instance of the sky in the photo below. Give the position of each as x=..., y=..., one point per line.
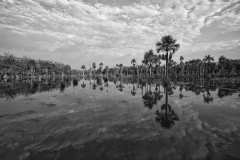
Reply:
x=80, y=32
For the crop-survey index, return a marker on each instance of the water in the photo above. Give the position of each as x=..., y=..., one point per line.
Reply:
x=119, y=119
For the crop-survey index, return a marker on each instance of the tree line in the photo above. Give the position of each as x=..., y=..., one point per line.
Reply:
x=151, y=65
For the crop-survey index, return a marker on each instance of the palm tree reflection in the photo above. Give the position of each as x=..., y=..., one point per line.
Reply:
x=133, y=91
x=180, y=89
x=207, y=98
x=94, y=86
x=62, y=87
x=166, y=117
x=83, y=85
x=151, y=98
x=106, y=82
x=120, y=86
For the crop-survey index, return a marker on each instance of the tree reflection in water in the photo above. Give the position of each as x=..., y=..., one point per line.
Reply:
x=133, y=91
x=167, y=116
x=62, y=87
x=10, y=94
x=207, y=98
x=150, y=98
x=11, y=88
x=83, y=85
x=180, y=89
x=106, y=82
x=120, y=86
x=94, y=86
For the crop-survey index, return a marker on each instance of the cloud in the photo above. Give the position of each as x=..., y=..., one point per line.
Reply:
x=228, y=20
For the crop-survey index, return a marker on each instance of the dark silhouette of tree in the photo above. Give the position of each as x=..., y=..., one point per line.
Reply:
x=62, y=87
x=75, y=82
x=166, y=117
x=83, y=85
x=208, y=59
x=169, y=46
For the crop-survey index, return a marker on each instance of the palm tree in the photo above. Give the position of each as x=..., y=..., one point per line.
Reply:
x=157, y=61
x=149, y=59
x=133, y=62
x=94, y=68
x=208, y=59
x=168, y=45
x=181, y=59
x=121, y=69
x=83, y=68
x=222, y=61
x=100, y=67
x=143, y=63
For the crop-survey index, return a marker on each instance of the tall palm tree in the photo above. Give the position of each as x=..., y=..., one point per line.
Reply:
x=83, y=68
x=208, y=59
x=94, y=68
x=222, y=61
x=169, y=46
x=149, y=59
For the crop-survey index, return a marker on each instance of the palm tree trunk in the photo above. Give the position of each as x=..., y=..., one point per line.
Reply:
x=166, y=99
x=166, y=81
x=167, y=65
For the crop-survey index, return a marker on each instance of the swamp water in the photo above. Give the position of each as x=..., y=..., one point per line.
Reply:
x=119, y=119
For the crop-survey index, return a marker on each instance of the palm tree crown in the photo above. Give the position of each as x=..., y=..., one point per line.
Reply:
x=149, y=57
x=133, y=61
x=181, y=58
x=208, y=59
x=168, y=45
x=94, y=65
x=83, y=67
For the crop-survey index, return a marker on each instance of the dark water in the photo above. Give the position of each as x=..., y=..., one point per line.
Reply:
x=119, y=119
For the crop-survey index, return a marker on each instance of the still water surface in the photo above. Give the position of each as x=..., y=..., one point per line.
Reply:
x=119, y=119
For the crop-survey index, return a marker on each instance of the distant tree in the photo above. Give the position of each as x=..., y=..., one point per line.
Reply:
x=149, y=60
x=121, y=69
x=222, y=61
x=32, y=66
x=94, y=67
x=133, y=62
x=9, y=59
x=181, y=58
x=83, y=68
x=100, y=67
x=67, y=69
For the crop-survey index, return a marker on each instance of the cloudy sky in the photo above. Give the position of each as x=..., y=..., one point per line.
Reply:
x=79, y=32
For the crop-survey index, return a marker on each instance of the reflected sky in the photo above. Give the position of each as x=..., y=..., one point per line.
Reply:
x=111, y=118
